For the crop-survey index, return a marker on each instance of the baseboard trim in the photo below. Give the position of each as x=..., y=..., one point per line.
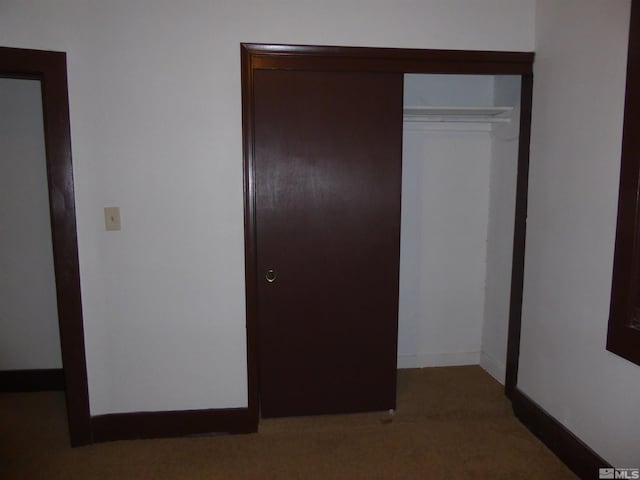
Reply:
x=583, y=461
x=40, y=380
x=494, y=368
x=438, y=360
x=138, y=425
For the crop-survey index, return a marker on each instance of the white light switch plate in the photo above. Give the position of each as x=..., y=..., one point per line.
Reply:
x=112, y=218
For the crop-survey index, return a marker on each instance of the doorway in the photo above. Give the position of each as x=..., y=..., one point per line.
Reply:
x=30, y=358
x=50, y=70
x=371, y=62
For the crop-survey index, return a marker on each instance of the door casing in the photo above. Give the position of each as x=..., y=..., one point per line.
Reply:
x=50, y=68
x=382, y=60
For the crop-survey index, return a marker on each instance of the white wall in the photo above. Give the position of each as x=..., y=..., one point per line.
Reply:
x=502, y=201
x=578, y=103
x=448, y=90
x=154, y=91
x=29, y=337
x=445, y=210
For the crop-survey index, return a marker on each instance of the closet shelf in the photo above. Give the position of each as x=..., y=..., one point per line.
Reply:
x=458, y=114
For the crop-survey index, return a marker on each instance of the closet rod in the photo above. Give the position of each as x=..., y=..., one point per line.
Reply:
x=458, y=114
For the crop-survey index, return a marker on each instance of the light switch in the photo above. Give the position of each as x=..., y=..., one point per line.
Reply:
x=112, y=218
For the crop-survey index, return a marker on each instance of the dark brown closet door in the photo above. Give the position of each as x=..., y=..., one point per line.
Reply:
x=328, y=149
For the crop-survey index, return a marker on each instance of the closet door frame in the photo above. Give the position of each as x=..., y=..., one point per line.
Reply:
x=381, y=60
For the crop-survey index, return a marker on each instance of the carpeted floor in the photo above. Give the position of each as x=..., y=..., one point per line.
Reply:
x=451, y=423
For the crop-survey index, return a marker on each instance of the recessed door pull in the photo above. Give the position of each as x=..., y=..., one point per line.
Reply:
x=270, y=276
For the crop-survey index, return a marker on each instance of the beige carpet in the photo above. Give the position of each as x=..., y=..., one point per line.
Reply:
x=451, y=423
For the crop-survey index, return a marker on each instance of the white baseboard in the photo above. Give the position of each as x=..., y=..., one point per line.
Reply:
x=494, y=368
x=438, y=360
x=489, y=364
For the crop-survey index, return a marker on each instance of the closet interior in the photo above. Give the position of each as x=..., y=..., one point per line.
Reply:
x=460, y=151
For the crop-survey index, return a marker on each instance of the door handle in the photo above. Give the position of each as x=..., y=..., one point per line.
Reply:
x=270, y=276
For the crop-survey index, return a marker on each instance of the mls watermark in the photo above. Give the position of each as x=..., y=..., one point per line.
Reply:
x=627, y=473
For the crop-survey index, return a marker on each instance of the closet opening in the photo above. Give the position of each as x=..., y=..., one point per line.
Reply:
x=460, y=163
x=410, y=164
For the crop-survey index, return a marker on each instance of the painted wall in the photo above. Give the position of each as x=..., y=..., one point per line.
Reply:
x=29, y=337
x=578, y=104
x=502, y=200
x=156, y=130
x=445, y=210
x=448, y=90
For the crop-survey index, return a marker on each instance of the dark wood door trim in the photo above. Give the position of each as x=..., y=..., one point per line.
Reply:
x=51, y=69
x=33, y=380
x=388, y=60
x=623, y=333
x=383, y=60
x=519, y=236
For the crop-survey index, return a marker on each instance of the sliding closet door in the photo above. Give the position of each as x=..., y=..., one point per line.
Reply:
x=327, y=187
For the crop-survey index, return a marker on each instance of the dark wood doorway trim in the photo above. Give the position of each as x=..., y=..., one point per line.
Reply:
x=384, y=60
x=51, y=69
x=519, y=237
